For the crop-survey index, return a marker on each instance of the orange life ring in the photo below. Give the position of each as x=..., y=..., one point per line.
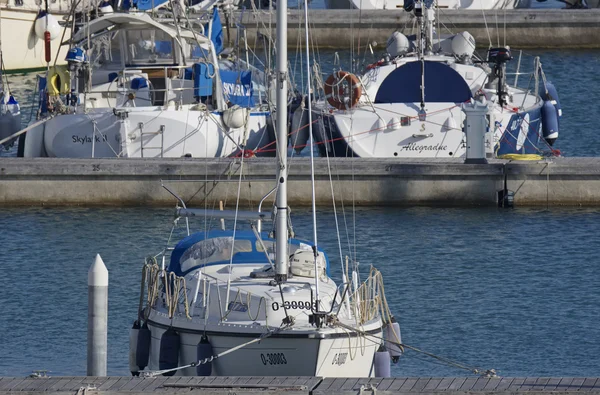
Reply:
x=342, y=90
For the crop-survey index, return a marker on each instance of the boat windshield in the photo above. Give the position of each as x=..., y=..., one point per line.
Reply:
x=149, y=47
x=212, y=250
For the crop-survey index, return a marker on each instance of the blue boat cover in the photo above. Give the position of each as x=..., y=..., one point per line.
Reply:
x=203, y=79
x=442, y=85
x=145, y=5
x=253, y=256
x=237, y=87
x=216, y=34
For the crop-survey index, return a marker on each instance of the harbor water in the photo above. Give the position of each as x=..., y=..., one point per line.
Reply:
x=514, y=290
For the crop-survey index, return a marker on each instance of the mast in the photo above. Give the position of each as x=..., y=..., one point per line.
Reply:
x=281, y=230
x=312, y=160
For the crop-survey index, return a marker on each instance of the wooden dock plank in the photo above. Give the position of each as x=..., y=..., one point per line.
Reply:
x=468, y=384
x=61, y=382
x=480, y=383
x=456, y=383
x=116, y=386
x=108, y=383
x=432, y=384
x=516, y=384
x=540, y=384
x=528, y=384
x=588, y=384
x=347, y=385
x=408, y=384
x=564, y=384
x=576, y=383
x=385, y=384
x=332, y=386
x=492, y=384
x=552, y=383
x=93, y=382
x=11, y=382
x=397, y=383
x=131, y=383
x=421, y=384
x=504, y=383
x=254, y=380
x=444, y=383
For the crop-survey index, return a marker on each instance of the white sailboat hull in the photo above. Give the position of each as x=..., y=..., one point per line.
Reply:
x=22, y=49
x=286, y=355
x=142, y=132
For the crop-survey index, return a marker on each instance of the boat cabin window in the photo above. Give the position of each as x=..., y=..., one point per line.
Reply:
x=106, y=50
x=270, y=246
x=149, y=47
x=211, y=250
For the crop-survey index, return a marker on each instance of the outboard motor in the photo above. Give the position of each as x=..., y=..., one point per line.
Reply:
x=76, y=59
x=498, y=57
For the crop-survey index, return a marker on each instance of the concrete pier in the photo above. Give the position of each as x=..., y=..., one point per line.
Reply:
x=522, y=28
x=369, y=182
x=299, y=385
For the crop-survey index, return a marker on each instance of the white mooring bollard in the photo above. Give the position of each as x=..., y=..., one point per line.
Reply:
x=97, y=318
x=476, y=127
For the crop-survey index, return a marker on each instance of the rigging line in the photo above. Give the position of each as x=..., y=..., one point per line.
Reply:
x=497, y=28
x=237, y=206
x=439, y=358
x=486, y=28
x=312, y=160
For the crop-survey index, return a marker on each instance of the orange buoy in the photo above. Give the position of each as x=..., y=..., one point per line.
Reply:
x=342, y=90
x=47, y=46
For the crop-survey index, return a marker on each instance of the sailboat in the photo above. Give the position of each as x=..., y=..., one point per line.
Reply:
x=409, y=103
x=246, y=302
x=138, y=86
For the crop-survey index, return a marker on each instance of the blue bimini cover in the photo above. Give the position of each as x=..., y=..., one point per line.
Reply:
x=237, y=87
x=442, y=85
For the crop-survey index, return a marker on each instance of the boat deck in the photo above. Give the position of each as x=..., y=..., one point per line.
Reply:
x=299, y=385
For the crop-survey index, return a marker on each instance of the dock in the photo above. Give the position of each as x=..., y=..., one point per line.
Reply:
x=345, y=29
x=298, y=385
x=366, y=182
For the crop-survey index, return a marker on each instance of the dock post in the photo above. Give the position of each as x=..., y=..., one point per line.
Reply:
x=97, y=318
x=475, y=130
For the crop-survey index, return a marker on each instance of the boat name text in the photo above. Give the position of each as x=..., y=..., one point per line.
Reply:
x=301, y=305
x=421, y=148
x=273, y=359
x=340, y=359
x=75, y=139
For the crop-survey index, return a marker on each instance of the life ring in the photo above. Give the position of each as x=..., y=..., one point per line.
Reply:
x=59, y=81
x=342, y=90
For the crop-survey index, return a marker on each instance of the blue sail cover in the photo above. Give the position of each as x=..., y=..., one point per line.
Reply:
x=145, y=5
x=442, y=85
x=237, y=87
x=216, y=34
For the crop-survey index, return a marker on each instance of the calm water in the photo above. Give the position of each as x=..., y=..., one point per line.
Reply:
x=515, y=290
